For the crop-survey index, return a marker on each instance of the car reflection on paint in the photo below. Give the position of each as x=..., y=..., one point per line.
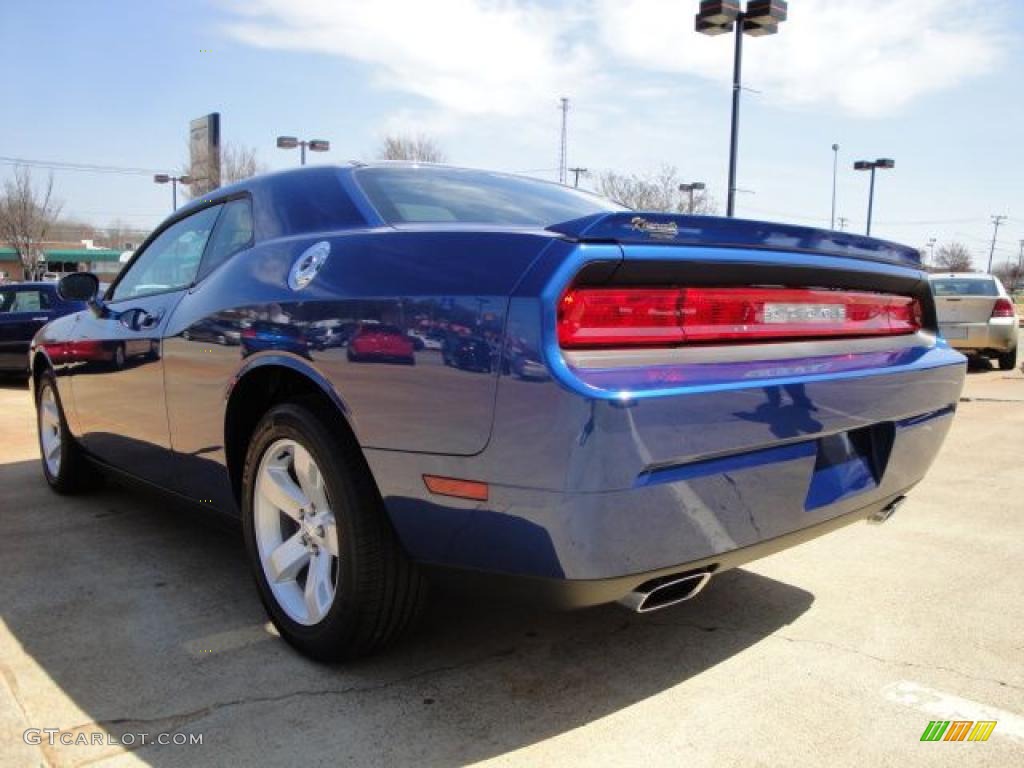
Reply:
x=380, y=342
x=428, y=339
x=267, y=336
x=468, y=353
x=224, y=332
x=94, y=356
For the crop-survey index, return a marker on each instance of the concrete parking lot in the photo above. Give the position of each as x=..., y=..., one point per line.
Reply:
x=123, y=614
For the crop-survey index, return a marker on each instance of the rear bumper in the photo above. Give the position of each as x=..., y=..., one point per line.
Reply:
x=608, y=488
x=999, y=335
x=567, y=594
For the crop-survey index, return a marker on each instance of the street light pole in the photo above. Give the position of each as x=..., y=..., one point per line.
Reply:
x=884, y=163
x=163, y=178
x=314, y=145
x=761, y=18
x=835, y=176
x=871, y=198
x=734, y=142
x=695, y=186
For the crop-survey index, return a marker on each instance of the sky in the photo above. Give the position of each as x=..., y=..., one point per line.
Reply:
x=934, y=84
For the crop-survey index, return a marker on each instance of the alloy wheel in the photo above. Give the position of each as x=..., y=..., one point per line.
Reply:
x=296, y=534
x=50, y=432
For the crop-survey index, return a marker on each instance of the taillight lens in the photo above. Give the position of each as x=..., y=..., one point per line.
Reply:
x=1003, y=308
x=601, y=317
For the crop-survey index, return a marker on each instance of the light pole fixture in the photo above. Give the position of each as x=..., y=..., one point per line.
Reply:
x=884, y=163
x=163, y=178
x=696, y=186
x=314, y=145
x=835, y=177
x=577, y=172
x=718, y=17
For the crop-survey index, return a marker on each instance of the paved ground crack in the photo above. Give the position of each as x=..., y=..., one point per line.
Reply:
x=180, y=719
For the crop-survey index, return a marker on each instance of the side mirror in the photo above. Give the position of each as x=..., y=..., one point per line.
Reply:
x=78, y=286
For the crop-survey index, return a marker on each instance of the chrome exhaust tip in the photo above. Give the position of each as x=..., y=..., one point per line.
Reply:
x=666, y=591
x=879, y=517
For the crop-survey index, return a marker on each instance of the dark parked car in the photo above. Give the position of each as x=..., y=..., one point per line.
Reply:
x=714, y=390
x=470, y=353
x=24, y=309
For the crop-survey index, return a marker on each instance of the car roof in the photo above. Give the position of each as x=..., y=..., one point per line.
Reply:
x=31, y=284
x=960, y=275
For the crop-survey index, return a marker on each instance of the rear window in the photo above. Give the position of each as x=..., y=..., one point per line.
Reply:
x=429, y=195
x=964, y=286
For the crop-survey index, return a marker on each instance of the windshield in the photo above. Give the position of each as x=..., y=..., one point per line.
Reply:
x=411, y=195
x=965, y=286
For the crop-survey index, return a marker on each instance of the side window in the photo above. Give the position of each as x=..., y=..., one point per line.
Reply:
x=172, y=260
x=30, y=301
x=233, y=234
x=6, y=300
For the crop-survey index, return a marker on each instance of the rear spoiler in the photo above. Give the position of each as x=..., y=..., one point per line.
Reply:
x=717, y=232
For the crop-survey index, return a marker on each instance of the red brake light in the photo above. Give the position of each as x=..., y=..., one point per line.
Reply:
x=600, y=317
x=1003, y=308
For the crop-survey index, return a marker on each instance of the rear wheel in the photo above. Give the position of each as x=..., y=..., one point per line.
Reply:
x=64, y=466
x=328, y=566
x=1008, y=360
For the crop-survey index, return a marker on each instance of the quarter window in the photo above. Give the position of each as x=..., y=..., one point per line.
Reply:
x=171, y=261
x=233, y=234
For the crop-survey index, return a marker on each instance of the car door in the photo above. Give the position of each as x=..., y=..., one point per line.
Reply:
x=118, y=376
x=24, y=309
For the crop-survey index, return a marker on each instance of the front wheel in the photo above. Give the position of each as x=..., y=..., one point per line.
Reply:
x=328, y=566
x=64, y=466
x=1008, y=360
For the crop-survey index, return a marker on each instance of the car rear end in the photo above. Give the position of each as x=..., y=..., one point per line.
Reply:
x=975, y=313
x=717, y=390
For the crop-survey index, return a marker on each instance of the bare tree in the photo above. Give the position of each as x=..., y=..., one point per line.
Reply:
x=237, y=162
x=654, y=192
x=26, y=217
x=954, y=257
x=1009, y=274
x=419, y=149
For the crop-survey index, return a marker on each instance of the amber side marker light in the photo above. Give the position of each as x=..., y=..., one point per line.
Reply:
x=450, y=486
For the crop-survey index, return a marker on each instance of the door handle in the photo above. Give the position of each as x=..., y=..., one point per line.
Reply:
x=147, y=321
x=44, y=318
x=139, y=319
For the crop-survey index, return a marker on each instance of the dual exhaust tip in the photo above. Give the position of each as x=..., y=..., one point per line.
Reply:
x=671, y=590
x=666, y=591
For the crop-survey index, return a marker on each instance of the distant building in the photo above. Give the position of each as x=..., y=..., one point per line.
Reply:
x=81, y=258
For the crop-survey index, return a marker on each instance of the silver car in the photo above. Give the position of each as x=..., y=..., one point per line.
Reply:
x=976, y=315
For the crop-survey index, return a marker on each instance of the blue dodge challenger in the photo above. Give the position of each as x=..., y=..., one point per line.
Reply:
x=623, y=404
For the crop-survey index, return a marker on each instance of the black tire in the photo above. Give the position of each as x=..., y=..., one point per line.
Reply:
x=75, y=473
x=1008, y=360
x=379, y=591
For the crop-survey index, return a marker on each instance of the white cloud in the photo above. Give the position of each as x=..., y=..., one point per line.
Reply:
x=467, y=56
x=510, y=57
x=869, y=57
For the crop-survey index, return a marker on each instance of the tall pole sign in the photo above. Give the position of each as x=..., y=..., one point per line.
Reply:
x=204, y=153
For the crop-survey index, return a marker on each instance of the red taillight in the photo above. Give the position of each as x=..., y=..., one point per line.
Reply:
x=600, y=317
x=1003, y=308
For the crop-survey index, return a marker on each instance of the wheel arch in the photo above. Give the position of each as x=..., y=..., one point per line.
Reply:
x=263, y=383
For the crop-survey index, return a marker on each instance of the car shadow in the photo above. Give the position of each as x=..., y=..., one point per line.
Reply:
x=143, y=613
x=13, y=381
